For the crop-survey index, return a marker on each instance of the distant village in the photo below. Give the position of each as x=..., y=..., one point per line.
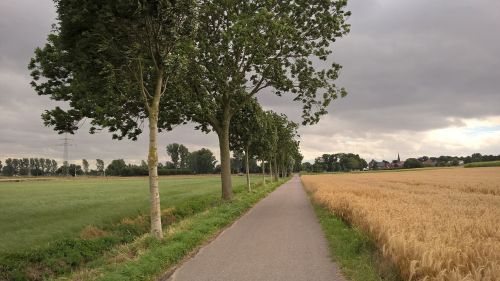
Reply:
x=415, y=163
x=341, y=162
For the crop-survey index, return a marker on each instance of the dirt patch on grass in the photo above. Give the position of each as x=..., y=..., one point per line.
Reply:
x=92, y=232
x=37, y=272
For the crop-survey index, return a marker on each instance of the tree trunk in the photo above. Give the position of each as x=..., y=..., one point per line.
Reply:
x=263, y=172
x=275, y=170
x=225, y=161
x=247, y=170
x=271, y=169
x=154, y=191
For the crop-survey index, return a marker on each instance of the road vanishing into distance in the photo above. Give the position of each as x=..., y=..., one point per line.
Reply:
x=278, y=239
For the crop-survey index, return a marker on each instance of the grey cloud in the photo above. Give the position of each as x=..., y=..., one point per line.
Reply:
x=419, y=62
x=409, y=67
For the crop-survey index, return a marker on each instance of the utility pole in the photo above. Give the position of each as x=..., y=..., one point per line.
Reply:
x=66, y=154
x=66, y=144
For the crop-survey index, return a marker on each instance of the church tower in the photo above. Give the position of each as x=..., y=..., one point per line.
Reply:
x=399, y=159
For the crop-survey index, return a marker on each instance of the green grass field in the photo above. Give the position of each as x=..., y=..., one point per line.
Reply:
x=55, y=228
x=483, y=164
x=34, y=213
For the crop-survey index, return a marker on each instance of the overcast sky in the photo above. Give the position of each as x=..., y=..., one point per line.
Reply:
x=423, y=78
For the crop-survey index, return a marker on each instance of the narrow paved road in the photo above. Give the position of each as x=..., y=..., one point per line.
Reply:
x=278, y=239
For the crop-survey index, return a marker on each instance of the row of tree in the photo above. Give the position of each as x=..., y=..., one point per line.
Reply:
x=47, y=167
x=84, y=169
x=448, y=161
x=475, y=157
x=29, y=166
x=119, y=63
x=441, y=161
x=338, y=162
x=266, y=136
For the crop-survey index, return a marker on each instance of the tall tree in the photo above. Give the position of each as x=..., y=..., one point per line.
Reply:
x=244, y=47
x=75, y=170
x=245, y=129
x=24, y=166
x=65, y=168
x=237, y=161
x=202, y=161
x=99, y=166
x=16, y=165
x=53, y=167
x=116, y=167
x=179, y=155
x=183, y=157
x=288, y=146
x=264, y=142
x=8, y=169
x=31, y=165
x=117, y=63
x=173, y=152
x=37, y=166
x=42, y=165
x=476, y=157
x=48, y=166
x=85, y=165
x=412, y=163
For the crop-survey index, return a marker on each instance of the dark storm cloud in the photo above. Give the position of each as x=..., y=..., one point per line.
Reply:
x=409, y=67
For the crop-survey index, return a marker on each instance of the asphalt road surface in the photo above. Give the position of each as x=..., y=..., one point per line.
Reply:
x=278, y=239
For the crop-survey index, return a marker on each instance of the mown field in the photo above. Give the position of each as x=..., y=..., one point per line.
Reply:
x=33, y=213
x=439, y=224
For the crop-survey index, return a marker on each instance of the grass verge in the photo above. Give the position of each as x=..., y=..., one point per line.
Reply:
x=148, y=259
x=358, y=257
x=482, y=164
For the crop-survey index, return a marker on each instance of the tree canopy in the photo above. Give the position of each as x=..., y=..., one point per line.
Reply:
x=244, y=47
x=202, y=161
x=412, y=163
x=339, y=162
x=118, y=63
x=121, y=64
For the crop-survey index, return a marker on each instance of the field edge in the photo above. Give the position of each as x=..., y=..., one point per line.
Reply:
x=358, y=257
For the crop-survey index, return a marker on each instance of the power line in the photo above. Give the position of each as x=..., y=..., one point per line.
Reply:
x=66, y=144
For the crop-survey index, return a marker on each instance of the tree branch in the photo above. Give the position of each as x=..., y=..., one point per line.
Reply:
x=144, y=91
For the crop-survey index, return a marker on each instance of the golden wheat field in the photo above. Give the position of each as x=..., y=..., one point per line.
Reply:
x=441, y=224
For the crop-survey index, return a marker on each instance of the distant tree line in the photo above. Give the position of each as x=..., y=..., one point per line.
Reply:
x=342, y=162
x=28, y=166
x=476, y=157
x=448, y=161
x=47, y=167
x=338, y=162
x=441, y=161
x=182, y=162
